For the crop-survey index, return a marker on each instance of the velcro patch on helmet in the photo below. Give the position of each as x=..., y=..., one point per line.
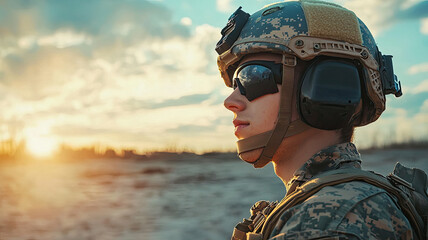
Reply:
x=327, y=20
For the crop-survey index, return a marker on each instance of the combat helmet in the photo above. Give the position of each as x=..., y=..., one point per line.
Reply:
x=343, y=68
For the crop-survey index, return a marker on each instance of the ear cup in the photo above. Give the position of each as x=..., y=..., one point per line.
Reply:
x=329, y=93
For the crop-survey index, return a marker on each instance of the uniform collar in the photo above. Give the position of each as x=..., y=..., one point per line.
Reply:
x=333, y=157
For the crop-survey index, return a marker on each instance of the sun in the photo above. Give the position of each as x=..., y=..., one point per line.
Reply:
x=40, y=146
x=39, y=142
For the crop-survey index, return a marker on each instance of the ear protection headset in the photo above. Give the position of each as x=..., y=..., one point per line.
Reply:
x=329, y=93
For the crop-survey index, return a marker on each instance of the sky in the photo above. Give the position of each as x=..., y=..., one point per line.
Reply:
x=142, y=74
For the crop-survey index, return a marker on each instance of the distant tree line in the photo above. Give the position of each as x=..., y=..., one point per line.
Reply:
x=12, y=150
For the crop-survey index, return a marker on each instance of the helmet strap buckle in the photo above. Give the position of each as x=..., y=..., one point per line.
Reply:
x=289, y=60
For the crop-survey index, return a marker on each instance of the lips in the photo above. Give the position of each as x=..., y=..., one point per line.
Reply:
x=239, y=125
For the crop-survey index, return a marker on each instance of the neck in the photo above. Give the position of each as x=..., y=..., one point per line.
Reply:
x=295, y=150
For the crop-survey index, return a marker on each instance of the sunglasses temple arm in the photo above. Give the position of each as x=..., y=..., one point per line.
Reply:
x=241, y=88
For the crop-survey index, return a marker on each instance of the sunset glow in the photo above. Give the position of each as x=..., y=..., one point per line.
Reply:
x=39, y=143
x=41, y=147
x=123, y=74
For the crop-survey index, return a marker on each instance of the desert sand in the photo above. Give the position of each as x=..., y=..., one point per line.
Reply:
x=199, y=197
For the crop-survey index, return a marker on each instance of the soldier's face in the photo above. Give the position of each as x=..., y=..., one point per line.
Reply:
x=251, y=118
x=258, y=116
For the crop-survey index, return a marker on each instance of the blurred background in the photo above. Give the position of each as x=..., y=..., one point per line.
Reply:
x=123, y=83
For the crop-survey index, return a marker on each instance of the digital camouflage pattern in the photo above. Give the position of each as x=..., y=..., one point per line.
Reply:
x=277, y=25
x=353, y=210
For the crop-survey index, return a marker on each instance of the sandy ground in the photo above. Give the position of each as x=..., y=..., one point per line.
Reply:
x=195, y=198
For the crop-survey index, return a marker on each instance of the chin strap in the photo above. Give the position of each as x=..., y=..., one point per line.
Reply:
x=261, y=140
x=271, y=140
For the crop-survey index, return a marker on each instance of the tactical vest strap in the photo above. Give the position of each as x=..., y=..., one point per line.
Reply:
x=339, y=176
x=254, y=236
x=238, y=234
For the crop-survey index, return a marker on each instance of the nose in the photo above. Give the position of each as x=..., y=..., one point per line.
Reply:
x=235, y=102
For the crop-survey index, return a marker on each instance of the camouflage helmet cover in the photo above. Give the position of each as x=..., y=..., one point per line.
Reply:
x=307, y=29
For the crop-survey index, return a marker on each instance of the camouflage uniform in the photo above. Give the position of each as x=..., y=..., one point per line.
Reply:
x=353, y=210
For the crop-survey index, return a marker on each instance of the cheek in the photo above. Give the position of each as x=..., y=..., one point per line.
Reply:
x=271, y=114
x=271, y=117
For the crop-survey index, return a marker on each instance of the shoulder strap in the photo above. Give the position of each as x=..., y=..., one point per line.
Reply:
x=335, y=177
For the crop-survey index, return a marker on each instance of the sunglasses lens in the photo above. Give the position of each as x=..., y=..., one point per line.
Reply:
x=255, y=81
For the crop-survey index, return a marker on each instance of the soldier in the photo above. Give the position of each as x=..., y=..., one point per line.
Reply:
x=304, y=74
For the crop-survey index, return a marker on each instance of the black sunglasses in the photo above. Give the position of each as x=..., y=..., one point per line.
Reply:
x=257, y=78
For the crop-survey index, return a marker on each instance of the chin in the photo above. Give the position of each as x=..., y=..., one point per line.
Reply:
x=251, y=156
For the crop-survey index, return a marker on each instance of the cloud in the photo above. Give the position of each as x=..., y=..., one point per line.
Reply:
x=184, y=100
x=417, y=10
x=47, y=43
x=64, y=38
x=397, y=126
x=224, y=6
x=92, y=17
x=118, y=73
x=424, y=26
x=411, y=100
x=73, y=131
x=59, y=39
x=405, y=121
x=422, y=116
x=133, y=104
x=419, y=68
x=194, y=129
x=420, y=88
x=379, y=14
x=203, y=128
x=40, y=72
x=186, y=21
